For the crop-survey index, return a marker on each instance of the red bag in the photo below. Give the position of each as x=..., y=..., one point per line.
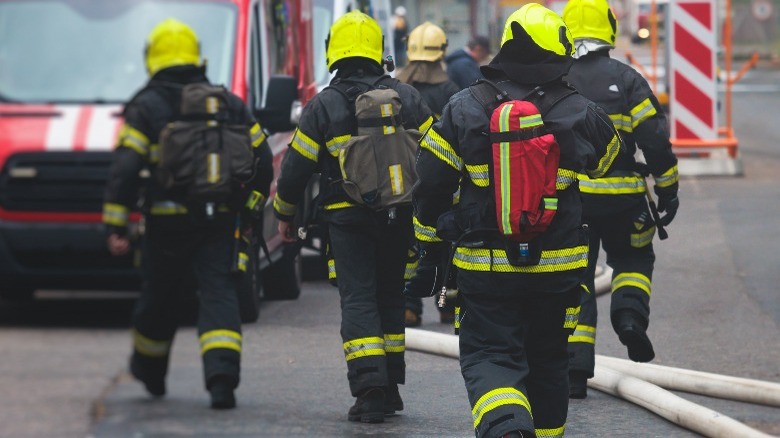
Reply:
x=525, y=166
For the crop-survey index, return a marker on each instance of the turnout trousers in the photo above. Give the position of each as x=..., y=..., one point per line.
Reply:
x=627, y=239
x=370, y=254
x=176, y=248
x=513, y=354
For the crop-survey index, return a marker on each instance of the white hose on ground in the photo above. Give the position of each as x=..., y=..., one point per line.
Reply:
x=676, y=409
x=697, y=382
x=603, y=279
x=649, y=396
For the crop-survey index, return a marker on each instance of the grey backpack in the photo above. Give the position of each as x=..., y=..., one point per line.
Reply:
x=203, y=156
x=378, y=164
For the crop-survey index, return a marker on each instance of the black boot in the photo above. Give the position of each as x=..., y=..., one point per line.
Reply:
x=369, y=406
x=221, y=390
x=393, y=401
x=578, y=384
x=154, y=385
x=632, y=334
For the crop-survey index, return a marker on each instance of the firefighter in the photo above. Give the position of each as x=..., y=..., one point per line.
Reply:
x=515, y=320
x=177, y=242
x=425, y=72
x=369, y=247
x=615, y=206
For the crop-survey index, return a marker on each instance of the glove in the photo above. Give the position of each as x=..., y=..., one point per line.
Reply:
x=428, y=279
x=668, y=202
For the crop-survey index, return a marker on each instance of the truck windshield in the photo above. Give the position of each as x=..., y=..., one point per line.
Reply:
x=93, y=50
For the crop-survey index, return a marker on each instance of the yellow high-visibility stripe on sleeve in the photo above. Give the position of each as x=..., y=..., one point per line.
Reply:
x=305, y=145
x=283, y=207
x=134, y=139
x=115, y=214
x=257, y=134
x=613, y=148
x=424, y=233
x=584, y=334
x=426, y=124
x=644, y=110
x=439, y=147
x=668, y=178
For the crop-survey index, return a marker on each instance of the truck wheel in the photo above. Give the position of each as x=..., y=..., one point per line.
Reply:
x=282, y=280
x=18, y=295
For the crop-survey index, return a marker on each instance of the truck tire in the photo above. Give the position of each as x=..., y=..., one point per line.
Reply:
x=282, y=280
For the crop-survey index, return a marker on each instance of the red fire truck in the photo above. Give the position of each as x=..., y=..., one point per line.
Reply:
x=66, y=67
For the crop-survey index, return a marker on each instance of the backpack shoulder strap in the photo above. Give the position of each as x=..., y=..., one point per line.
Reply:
x=545, y=97
x=488, y=94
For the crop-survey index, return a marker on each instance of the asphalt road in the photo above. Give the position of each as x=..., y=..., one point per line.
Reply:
x=715, y=308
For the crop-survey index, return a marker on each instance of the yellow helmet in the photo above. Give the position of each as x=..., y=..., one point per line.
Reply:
x=543, y=26
x=591, y=19
x=354, y=34
x=171, y=43
x=427, y=42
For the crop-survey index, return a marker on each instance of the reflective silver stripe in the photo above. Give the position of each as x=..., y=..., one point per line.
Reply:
x=226, y=339
x=631, y=279
x=642, y=111
x=479, y=174
x=437, y=145
x=622, y=122
x=336, y=143
x=331, y=269
x=495, y=260
x=564, y=178
x=424, y=233
x=584, y=334
x=305, y=146
x=619, y=185
x=283, y=207
x=115, y=214
x=357, y=348
x=410, y=270
x=395, y=343
x=497, y=398
x=640, y=240
x=668, y=178
x=572, y=317
x=258, y=135
x=150, y=347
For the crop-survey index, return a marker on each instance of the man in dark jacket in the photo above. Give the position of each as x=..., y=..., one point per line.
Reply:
x=177, y=241
x=425, y=49
x=515, y=317
x=614, y=206
x=369, y=247
x=463, y=64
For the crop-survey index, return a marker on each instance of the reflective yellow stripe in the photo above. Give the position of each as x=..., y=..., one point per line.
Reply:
x=411, y=268
x=424, y=233
x=395, y=343
x=396, y=179
x=164, y=208
x=426, y=125
x=439, y=147
x=668, y=178
x=283, y=207
x=631, y=279
x=305, y=146
x=336, y=143
x=530, y=121
x=506, y=186
x=331, y=269
x=339, y=205
x=550, y=203
x=613, y=148
x=622, y=122
x=642, y=112
x=564, y=178
x=613, y=185
x=550, y=433
x=583, y=334
x=572, y=317
x=640, y=240
x=479, y=174
x=257, y=134
x=386, y=110
x=227, y=339
x=150, y=347
x=495, y=260
x=357, y=348
x=255, y=200
x=496, y=398
x=134, y=139
x=154, y=153
x=115, y=214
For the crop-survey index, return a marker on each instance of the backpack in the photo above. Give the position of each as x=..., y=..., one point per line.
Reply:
x=525, y=160
x=204, y=157
x=378, y=164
